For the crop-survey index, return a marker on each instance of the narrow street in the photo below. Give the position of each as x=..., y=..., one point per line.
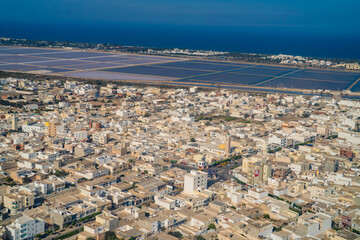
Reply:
x=59, y=234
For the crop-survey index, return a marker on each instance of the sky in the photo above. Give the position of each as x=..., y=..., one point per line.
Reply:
x=325, y=19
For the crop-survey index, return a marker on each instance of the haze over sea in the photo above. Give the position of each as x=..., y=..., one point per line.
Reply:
x=322, y=28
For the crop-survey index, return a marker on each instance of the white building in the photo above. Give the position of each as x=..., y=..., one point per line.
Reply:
x=124, y=113
x=258, y=193
x=37, y=127
x=278, y=139
x=70, y=85
x=81, y=135
x=27, y=154
x=24, y=228
x=313, y=224
x=194, y=181
x=64, y=104
x=31, y=106
x=169, y=202
x=100, y=137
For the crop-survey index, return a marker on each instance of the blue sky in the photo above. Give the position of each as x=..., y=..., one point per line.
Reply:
x=328, y=16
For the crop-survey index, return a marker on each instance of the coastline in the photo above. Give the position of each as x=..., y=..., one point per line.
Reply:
x=139, y=50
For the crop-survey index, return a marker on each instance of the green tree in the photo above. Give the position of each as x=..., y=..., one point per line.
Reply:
x=9, y=179
x=60, y=173
x=110, y=236
x=211, y=226
x=27, y=180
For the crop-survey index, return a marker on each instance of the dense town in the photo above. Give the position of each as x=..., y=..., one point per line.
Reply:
x=312, y=62
x=83, y=161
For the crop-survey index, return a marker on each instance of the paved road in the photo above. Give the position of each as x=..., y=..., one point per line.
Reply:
x=58, y=234
x=223, y=172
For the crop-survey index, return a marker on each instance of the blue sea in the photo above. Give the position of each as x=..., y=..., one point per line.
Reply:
x=233, y=39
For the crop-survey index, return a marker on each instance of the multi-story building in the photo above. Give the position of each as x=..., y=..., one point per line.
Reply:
x=70, y=85
x=100, y=137
x=318, y=190
x=347, y=152
x=258, y=173
x=36, y=127
x=313, y=224
x=81, y=151
x=81, y=135
x=194, y=181
x=17, y=202
x=54, y=129
x=108, y=221
x=331, y=165
x=24, y=228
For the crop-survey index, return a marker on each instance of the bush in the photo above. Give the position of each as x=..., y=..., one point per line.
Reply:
x=228, y=119
x=89, y=217
x=238, y=181
x=176, y=234
x=295, y=210
x=235, y=157
x=278, y=229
